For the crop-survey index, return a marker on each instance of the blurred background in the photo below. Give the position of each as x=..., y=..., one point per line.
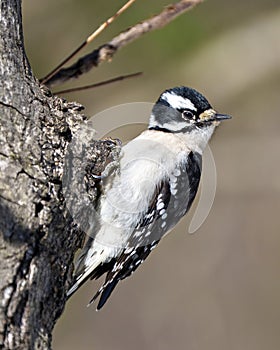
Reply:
x=219, y=288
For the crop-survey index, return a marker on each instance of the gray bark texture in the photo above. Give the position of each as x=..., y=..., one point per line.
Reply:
x=38, y=238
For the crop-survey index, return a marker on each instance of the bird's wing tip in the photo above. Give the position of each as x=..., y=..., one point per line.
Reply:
x=72, y=290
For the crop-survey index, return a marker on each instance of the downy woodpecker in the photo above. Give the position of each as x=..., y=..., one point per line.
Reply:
x=156, y=183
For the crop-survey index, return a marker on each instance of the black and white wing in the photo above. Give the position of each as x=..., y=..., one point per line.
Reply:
x=170, y=202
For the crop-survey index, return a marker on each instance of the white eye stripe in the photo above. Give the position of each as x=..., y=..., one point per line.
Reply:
x=178, y=101
x=174, y=126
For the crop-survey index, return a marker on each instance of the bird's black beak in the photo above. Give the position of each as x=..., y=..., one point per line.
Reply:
x=218, y=117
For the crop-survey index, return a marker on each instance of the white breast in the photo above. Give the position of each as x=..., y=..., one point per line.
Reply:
x=146, y=161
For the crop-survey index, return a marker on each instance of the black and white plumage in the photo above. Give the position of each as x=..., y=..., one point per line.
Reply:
x=157, y=181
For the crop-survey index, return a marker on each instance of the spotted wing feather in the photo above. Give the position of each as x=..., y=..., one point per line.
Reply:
x=170, y=202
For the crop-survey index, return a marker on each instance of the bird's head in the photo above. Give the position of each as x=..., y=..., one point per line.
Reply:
x=181, y=110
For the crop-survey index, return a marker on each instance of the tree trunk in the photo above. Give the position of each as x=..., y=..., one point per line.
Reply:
x=37, y=235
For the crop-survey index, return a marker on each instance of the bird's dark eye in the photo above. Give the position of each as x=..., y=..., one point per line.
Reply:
x=187, y=114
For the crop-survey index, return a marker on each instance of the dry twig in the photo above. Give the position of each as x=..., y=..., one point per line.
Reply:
x=101, y=83
x=106, y=51
x=88, y=40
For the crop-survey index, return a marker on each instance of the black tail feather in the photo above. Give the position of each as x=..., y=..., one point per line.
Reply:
x=106, y=293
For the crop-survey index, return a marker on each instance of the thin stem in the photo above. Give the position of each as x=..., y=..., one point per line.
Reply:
x=89, y=39
x=108, y=50
x=101, y=83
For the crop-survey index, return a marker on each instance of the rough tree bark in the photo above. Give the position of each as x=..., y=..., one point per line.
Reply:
x=38, y=237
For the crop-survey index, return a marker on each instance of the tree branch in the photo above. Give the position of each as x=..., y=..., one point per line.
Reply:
x=101, y=83
x=89, y=39
x=107, y=51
